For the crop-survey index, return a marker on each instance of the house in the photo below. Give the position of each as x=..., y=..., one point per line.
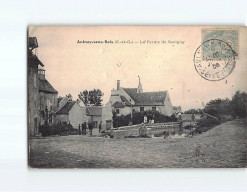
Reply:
x=42, y=97
x=125, y=100
x=75, y=113
x=47, y=98
x=100, y=114
x=62, y=114
x=33, y=87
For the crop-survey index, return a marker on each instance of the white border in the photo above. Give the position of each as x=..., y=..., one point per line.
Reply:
x=17, y=15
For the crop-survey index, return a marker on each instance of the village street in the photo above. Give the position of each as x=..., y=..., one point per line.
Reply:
x=222, y=146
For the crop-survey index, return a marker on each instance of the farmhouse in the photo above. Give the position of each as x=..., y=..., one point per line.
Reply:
x=126, y=100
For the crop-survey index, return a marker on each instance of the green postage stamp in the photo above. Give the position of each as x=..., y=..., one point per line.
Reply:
x=230, y=38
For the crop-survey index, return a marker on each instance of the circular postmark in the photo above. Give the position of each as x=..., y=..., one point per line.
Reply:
x=214, y=60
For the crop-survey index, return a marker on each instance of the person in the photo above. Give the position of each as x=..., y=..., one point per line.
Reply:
x=143, y=130
x=83, y=128
x=100, y=126
x=145, y=119
x=79, y=129
x=90, y=127
x=193, y=117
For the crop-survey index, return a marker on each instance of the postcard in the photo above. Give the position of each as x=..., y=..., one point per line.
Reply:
x=137, y=96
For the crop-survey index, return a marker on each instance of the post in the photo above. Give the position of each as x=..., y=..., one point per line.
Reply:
x=79, y=129
x=131, y=112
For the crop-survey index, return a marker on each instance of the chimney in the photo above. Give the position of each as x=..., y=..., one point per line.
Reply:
x=118, y=84
x=41, y=73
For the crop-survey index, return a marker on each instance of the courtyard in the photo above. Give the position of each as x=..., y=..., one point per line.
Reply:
x=222, y=146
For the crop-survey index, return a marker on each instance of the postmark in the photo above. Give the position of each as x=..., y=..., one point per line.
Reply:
x=231, y=36
x=214, y=60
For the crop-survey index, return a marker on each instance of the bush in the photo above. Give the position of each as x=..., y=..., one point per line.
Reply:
x=209, y=122
x=56, y=129
x=204, y=125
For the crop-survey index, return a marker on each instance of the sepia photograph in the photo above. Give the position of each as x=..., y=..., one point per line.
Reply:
x=137, y=96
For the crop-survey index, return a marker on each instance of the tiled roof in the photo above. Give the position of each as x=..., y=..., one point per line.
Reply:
x=45, y=86
x=94, y=111
x=147, y=98
x=66, y=108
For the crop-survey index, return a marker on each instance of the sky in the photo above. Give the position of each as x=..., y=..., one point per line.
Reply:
x=72, y=67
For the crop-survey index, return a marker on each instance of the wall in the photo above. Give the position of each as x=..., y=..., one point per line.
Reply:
x=61, y=118
x=106, y=116
x=33, y=100
x=168, y=106
x=52, y=106
x=77, y=115
x=94, y=118
x=124, y=111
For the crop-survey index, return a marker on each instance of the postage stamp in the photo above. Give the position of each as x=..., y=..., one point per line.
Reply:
x=230, y=36
x=214, y=60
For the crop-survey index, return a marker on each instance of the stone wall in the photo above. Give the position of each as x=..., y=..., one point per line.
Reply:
x=33, y=100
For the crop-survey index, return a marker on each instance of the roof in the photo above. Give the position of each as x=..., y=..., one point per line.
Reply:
x=45, y=86
x=59, y=99
x=33, y=60
x=126, y=102
x=147, y=98
x=118, y=105
x=66, y=108
x=94, y=111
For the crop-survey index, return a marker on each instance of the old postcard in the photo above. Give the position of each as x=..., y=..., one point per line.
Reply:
x=137, y=96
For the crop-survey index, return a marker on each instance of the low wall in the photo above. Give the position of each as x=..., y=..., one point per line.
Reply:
x=133, y=130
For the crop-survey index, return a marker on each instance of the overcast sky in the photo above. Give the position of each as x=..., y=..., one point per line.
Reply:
x=72, y=67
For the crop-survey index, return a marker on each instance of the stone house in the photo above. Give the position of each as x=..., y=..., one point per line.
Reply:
x=42, y=97
x=33, y=87
x=125, y=100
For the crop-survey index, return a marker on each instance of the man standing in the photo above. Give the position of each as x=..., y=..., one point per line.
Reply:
x=100, y=127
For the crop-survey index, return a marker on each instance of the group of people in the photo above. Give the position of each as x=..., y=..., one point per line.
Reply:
x=84, y=126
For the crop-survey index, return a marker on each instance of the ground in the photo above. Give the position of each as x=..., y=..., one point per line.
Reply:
x=222, y=146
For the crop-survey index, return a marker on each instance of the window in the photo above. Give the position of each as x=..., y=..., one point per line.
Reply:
x=117, y=111
x=141, y=109
x=153, y=109
x=133, y=110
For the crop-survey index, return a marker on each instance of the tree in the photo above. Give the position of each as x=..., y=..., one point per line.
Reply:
x=193, y=111
x=93, y=97
x=239, y=104
x=218, y=107
x=69, y=96
x=83, y=96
